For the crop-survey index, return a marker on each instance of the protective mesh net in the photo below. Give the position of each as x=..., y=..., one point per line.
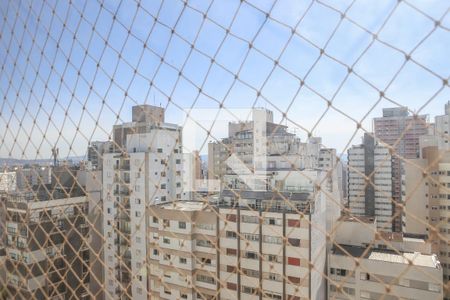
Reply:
x=139, y=217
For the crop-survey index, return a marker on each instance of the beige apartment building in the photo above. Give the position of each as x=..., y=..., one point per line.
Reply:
x=401, y=131
x=46, y=251
x=256, y=248
x=366, y=264
x=427, y=211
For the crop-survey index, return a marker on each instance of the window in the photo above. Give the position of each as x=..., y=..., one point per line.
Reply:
x=155, y=220
x=251, y=273
x=348, y=290
x=204, y=243
x=155, y=252
x=231, y=218
x=434, y=287
x=271, y=257
x=206, y=226
x=183, y=260
x=231, y=234
x=341, y=272
x=272, y=239
x=250, y=255
x=364, y=276
x=403, y=282
x=293, y=261
x=231, y=286
x=160, y=150
x=231, y=251
x=204, y=278
x=294, y=279
x=272, y=221
x=206, y=261
x=137, y=201
x=166, y=223
x=163, y=186
x=293, y=223
x=166, y=240
x=182, y=225
x=250, y=219
x=248, y=290
x=251, y=237
x=274, y=296
x=231, y=269
x=294, y=242
x=138, y=213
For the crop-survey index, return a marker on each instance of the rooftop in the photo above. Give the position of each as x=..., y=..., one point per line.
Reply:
x=186, y=205
x=416, y=258
x=389, y=256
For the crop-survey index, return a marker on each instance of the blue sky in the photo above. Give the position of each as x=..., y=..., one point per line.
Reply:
x=62, y=62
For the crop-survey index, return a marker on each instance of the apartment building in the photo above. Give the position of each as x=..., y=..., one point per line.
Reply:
x=401, y=131
x=95, y=153
x=47, y=256
x=182, y=251
x=256, y=247
x=143, y=117
x=91, y=181
x=438, y=132
x=8, y=181
x=260, y=144
x=147, y=169
x=427, y=211
x=29, y=176
x=370, y=175
x=367, y=264
x=262, y=155
x=20, y=178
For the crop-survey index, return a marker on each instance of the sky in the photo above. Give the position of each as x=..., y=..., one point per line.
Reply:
x=70, y=71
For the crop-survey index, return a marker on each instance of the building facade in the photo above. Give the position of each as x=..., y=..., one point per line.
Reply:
x=47, y=255
x=254, y=248
x=402, y=132
x=370, y=182
x=147, y=169
x=427, y=211
x=365, y=263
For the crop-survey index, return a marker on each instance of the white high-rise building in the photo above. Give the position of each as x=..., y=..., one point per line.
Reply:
x=370, y=182
x=146, y=169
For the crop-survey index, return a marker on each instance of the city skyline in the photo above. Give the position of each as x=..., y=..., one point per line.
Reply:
x=88, y=66
x=225, y=149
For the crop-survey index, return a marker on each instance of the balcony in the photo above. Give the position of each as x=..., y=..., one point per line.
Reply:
x=125, y=166
x=125, y=192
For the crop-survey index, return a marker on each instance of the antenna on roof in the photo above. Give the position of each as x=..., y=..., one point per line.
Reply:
x=55, y=152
